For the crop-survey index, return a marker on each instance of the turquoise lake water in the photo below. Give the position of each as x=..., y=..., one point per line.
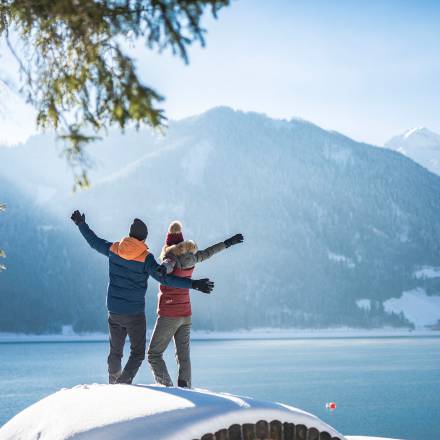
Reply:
x=382, y=386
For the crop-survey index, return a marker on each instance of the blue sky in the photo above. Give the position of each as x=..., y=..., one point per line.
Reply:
x=369, y=69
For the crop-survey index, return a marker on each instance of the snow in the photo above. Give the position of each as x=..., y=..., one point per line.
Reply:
x=364, y=304
x=67, y=330
x=357, y=437
x=56, y=337
x=136, y=411
x=427, y=272
x=421, y=145
x=341, y=259
x=412, y=132
x=257, y=333
x=417, y=306
x=337, y=332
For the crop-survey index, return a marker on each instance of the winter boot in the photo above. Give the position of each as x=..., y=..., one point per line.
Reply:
x=182, y=383
x=125, y=377
x=113, y=377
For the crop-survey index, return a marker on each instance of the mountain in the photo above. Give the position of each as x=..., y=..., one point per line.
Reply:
x=421, y=145
x=46, y=285
x=336, y=232
x=40, y=170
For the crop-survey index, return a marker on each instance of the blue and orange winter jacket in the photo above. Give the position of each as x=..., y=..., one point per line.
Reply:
x=130, y=265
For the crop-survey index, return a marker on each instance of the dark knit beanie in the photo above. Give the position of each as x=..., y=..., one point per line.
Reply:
x=138, y=230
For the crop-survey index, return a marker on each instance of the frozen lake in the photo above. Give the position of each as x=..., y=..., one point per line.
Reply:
x=386, y=386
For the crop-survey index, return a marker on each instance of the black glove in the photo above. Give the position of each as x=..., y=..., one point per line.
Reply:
x=161, y=271
x=237, y=238
x=204, y=285
x=78, y=218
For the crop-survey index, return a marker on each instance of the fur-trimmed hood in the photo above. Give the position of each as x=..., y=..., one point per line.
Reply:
x=177, y=250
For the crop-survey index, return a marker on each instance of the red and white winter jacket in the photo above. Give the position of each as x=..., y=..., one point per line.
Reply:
x=180, y=260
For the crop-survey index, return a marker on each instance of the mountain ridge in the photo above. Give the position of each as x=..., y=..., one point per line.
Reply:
x=330, y=223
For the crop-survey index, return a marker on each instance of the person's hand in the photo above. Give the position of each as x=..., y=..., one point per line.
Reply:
x=161, y=271
x=237, y=238
x=204, y=285
x=78, y=218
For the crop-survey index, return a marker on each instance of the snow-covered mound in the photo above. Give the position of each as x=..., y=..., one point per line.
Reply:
x=131, y=412
x=116, y=412
x=421, y=145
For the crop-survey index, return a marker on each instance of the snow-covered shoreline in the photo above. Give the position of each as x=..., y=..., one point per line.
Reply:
x=254, y=334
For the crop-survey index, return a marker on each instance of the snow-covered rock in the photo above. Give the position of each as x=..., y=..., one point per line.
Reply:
x=144, y=411
x=116, y=412
x=421, y=145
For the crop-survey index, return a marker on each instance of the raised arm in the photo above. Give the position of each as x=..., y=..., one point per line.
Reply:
x=99, y=244
x=158, y=272
x=214, y=249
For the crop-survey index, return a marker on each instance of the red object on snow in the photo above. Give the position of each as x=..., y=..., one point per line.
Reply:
x=331, y=406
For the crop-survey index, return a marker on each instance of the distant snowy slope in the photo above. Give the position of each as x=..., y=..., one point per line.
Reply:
x=421, y=145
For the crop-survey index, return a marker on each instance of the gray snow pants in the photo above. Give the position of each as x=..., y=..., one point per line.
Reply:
x=166, y=329
x=119, y=327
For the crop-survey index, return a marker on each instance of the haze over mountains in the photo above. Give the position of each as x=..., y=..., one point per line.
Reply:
x=337, y=232
x=421, y=145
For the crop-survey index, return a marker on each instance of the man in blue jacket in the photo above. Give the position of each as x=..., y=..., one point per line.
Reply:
x=130, y=265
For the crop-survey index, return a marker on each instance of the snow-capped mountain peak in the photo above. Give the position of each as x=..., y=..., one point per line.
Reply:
x=414, y=132
x=420, y=144
x=422, y=135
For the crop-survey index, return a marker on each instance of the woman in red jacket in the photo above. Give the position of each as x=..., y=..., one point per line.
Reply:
x=174, y=306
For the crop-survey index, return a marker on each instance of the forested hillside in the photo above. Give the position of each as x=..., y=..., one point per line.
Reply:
x=328, y=222
x=46, y=284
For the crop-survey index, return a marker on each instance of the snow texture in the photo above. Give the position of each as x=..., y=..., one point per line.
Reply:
x=357, y=437
x=427, y=273
x=421, y=145
x=364, y=304
x=417, y=306
x=256, y=333
x=114, y=412
x=341, y=259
